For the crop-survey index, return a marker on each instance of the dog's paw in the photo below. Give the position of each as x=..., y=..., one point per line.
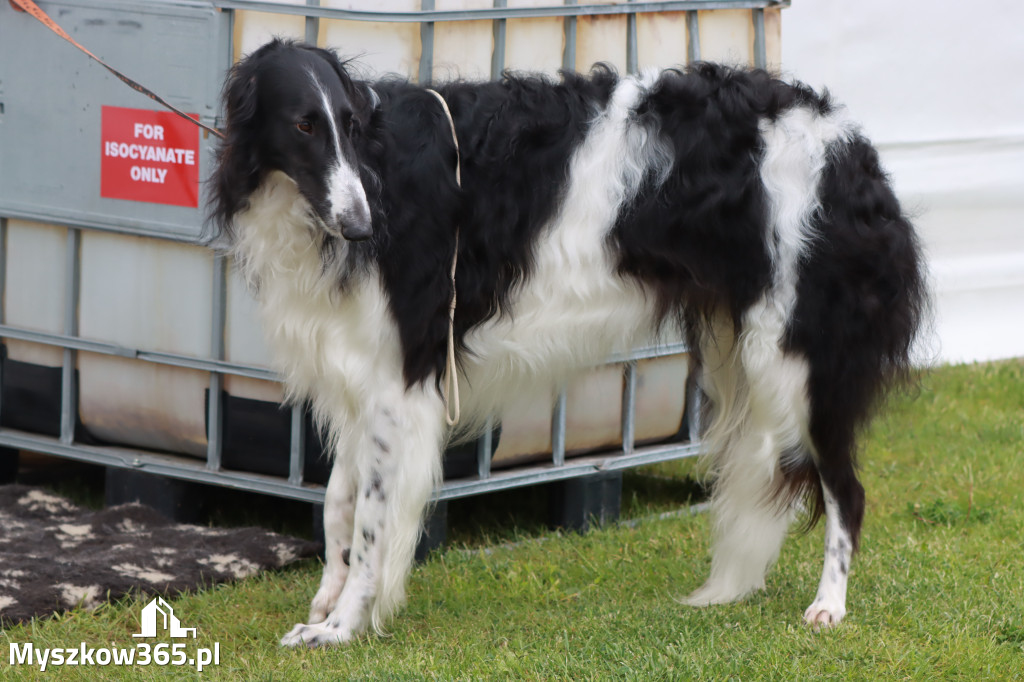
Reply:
x=315, y=635
x=823, y=615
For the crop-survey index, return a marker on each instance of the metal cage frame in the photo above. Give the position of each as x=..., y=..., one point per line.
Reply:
x=211, y=471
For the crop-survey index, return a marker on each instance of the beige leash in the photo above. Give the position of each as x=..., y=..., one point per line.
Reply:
x=450, y=389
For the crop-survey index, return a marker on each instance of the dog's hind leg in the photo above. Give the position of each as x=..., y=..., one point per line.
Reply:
x=833, y=431
x=829, y=604
x=759, y=403
x=832, y=439
x=398, y=469
x=862, y=298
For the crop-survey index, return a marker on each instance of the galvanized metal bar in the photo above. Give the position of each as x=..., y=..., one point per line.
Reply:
x=72, y=288
x=191, y=469
x=237, y=368
x=73, y=280
x=498, y=51
x=558, y=430
x=760, y=47
x=484, y=446
x=3, y=286
x=3, y=269
x=569, y=31
x=222, y=366
x=629, y=375
x=227, y=42
x=312, y=24
x=171, y=466
x=648, y=352
x=218, y=310
x=219, y=306
x=692, y=36
x=582, y=466
x=78, y=224
x=489, y=13
x=65, y=341
x=161, y=358
x=297, y=450
x=515, y=478
x=694, y=410
x=632, y=51
x=426, y=72
x=218, y=318
x=652, y=455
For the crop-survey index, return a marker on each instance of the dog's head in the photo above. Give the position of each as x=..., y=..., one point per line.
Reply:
x=292, y=108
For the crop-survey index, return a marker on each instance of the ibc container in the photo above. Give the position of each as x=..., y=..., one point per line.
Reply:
x=126, y=338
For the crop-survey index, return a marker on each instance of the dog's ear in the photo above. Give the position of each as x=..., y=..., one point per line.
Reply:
x=240, y=101
x=236, y=174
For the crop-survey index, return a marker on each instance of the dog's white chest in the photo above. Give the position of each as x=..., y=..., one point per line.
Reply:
x=325, y=342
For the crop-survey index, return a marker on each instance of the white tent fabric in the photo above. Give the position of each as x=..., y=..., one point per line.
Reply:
x=937, y=85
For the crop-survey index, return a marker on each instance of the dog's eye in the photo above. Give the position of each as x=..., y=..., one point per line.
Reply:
x=305, y=127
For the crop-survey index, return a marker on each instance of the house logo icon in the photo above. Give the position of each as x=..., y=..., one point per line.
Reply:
x=159, y=613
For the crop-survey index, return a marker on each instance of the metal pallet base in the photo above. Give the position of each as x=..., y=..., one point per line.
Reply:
x=195, y=470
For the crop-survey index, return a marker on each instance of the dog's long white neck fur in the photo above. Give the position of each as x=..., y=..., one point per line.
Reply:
x=329, y=347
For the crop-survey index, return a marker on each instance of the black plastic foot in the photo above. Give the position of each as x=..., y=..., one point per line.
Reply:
x=579, y=503
x=8, y=465
x=182, y=501
x=435, y=529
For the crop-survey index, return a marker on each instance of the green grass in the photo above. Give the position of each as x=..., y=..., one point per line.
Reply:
x=936, y=593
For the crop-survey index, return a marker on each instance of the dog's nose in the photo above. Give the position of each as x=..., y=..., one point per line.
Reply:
x=355, y=231
x=355, y=223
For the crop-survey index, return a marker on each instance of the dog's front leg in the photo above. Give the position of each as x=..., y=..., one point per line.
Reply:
x=398, y=468
x=339, y=517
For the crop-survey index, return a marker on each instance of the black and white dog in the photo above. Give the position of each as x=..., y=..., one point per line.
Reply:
x=594, y=213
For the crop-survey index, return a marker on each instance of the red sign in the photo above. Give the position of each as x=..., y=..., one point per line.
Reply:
x=149, y=156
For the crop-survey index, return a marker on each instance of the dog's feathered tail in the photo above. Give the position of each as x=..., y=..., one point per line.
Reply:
x=863, y=299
